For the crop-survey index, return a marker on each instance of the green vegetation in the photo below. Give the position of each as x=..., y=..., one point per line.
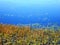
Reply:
x=17, y=35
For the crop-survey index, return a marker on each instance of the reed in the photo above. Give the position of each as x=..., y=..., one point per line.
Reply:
x=24, y=35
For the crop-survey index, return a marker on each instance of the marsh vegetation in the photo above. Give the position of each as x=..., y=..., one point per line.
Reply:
x=25, y=35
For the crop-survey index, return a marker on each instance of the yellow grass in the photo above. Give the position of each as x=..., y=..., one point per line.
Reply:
x=17, y=35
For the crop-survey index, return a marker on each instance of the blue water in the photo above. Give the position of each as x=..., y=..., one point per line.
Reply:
x=30, y=11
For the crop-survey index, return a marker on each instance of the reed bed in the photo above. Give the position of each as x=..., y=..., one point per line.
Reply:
x=25, y=35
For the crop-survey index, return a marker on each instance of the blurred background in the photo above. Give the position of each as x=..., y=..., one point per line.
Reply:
x=30, y=12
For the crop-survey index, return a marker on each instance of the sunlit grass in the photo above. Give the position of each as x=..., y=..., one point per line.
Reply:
x=25, y=35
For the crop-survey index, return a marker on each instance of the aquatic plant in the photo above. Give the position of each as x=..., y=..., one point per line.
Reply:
x=24, y=35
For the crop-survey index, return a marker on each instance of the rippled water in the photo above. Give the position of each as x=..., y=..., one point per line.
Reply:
x=30, y=12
